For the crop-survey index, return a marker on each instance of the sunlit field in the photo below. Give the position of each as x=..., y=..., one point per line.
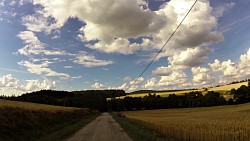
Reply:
x=222, y=89
x=34, y=106
x=221, y=123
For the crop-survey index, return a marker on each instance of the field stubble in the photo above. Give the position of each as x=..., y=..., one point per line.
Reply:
x=222, y=123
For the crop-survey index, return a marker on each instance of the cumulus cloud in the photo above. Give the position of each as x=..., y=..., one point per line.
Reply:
x=175, y=79
x=8, y=81
x=87, y=60
x=151, y=83
x=10, y=85
x=202, y=76
x=228, y=67
x=111, y=29
x=190, y=57
x=98, y=86
x=188, y=48
x=230, y=70
x=34, y=85
x=135, y=21
x=139, y=81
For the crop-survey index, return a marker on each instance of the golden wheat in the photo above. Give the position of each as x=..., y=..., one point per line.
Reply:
x=34, y=106
x=222, y=123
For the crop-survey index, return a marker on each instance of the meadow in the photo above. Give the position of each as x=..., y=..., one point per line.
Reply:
x=23, y=121
x=221, y=123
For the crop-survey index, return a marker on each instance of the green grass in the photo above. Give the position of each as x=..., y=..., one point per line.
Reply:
x=65, y=130
x=139, y=131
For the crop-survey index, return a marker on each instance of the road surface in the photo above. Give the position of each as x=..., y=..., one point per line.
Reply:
x=103, y=128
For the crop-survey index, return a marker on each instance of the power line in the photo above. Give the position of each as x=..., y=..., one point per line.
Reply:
x=163, y=46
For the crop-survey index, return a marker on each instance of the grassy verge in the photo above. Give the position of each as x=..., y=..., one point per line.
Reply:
x=138, y=130
x=65, y=130
x=21, y=124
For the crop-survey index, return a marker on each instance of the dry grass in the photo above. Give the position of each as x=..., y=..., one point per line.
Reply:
x=222, y=123
x=34, y=106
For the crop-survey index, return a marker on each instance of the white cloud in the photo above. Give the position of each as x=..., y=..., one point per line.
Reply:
x=228, y=67
x=10, y=85
x=8, y=81
x=136, y=82
x=176, y=79
x=42, y=69
x=244, y=65
x=231, y=71
x=100, y=25
x=135, y=21
x=188, y=47
x=87, y=60
x=202, y=76
x=190, y=57
x=34, y=85
x=34, y=46
x=112, y=33
x=151, y=83
x=39, y=23
x=98, y=86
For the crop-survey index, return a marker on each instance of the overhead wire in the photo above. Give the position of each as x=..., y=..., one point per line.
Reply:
x=163, y=46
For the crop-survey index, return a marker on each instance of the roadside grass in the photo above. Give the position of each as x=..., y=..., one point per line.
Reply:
x=23, y=121
x=138, y=130
x=64, y=131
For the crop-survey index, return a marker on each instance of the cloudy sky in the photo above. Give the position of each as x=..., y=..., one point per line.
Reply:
x=105, y=44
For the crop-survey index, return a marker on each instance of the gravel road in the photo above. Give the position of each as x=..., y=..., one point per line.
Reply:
x=103, y=128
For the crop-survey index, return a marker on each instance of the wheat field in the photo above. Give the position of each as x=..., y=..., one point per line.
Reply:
x=222, y=123
x=222, y=89
x=34, y=106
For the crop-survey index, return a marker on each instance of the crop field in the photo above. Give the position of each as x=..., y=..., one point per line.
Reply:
x=228, y=87
x=221, y=123
x=222, y=89
x=165, y=94
x=34, y=106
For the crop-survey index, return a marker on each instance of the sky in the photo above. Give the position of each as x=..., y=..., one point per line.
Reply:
x=105, y=44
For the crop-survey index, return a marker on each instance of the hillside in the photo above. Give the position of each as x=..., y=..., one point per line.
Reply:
x=228, y=87
x=221, y=89
x=23, y=121
x=34, y=106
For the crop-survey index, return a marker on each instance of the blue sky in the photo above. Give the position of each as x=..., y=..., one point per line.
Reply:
x=91, y=44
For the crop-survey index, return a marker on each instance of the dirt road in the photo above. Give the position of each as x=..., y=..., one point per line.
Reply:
x=103, y=128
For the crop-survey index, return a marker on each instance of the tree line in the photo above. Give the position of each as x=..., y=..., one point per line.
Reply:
x=93, y=99
x=97, y=99
x=192, y=99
